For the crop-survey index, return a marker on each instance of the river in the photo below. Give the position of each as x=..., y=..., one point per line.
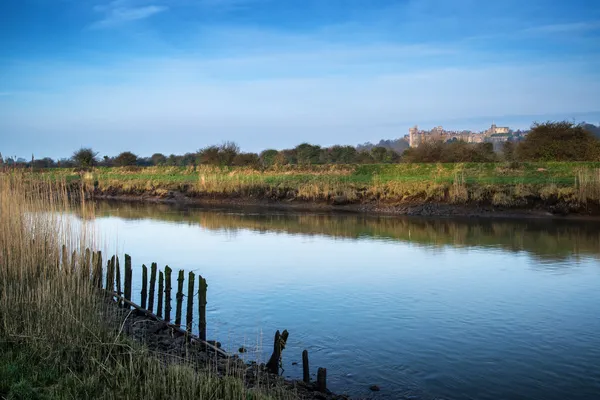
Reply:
x=422, y=308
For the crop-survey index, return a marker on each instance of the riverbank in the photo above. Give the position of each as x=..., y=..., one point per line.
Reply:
x=466, y=189
x=60, y=338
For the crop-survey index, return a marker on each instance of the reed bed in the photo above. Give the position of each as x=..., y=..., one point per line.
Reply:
x=61, y=339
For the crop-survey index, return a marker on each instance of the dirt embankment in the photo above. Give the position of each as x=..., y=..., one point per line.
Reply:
x=532, y=208
x=173, y=346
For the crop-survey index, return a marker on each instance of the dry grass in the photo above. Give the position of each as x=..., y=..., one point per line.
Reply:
x=58, y=338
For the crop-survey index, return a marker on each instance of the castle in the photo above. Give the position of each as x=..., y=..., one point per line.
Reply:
x=494, y=134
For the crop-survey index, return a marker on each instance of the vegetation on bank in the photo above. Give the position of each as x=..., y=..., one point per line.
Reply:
x=59, y=339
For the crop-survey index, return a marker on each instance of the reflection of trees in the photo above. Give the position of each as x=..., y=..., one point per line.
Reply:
x=545, y=239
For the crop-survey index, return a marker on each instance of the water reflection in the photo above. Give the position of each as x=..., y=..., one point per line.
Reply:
x=424, y=308
x=547, y=240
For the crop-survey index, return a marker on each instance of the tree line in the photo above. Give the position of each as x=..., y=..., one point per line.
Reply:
x=550, y=141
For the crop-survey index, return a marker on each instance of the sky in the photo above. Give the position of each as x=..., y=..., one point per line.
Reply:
x=173, y=76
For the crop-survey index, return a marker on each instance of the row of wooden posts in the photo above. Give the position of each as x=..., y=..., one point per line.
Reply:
x=92, y=265
x=112, y=284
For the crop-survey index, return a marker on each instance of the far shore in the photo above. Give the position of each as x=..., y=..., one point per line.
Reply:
x=423, y=209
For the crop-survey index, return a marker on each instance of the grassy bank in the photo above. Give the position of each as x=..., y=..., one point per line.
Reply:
x=59, y=339
x=573, y=186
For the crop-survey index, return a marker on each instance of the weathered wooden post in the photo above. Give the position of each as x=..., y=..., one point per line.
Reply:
x=168, y=293
x=160, y=294
x=305, y=369
x=144, y=285
x=152, y=286
x=322, y=380
x=128, y=276
x=94, y=269
x=179, y=297
x=190, y=302
x=202, y=289
x=85, y=270
x=97, y=279
x=278, y=346
x=110, y=275
x=118, y=276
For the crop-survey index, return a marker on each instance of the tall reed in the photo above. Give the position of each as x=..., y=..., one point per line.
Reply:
x=59, y=338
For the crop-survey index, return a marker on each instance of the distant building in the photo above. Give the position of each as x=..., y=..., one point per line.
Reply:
x=494, y=134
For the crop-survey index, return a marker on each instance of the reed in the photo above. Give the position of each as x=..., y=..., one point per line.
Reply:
x=59, y=338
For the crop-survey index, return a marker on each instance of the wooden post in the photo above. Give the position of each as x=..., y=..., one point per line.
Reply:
x=305, y=369
x=73, y=259
x=168, y=293
x=144, y=285
x=152, y=286
x=322, y=380
x=110, y=275
x=94, y=269
x=118, y=276
x=85, y=270
x=278, y=346
x=179, y=297
x=128, y=274
x=98, y=270
x=190, y=302
x=202, y=289
x=160, y=294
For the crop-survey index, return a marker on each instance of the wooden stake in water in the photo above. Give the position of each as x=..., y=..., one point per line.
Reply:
x=160, y=294
x=168, y=293
x=190, y=302
x=322, y=380
x=73, y=259
x=278, y=346
x=110, y=275
x=97, y=279
x=85, y=268
x=202, y=288
x=128, y=275
x=152, y=286
x=144, y=285
x=305, y=369
x=179, y=298
x=118, y=276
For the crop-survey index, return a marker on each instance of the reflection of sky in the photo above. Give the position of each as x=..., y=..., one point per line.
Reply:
x=472, y=322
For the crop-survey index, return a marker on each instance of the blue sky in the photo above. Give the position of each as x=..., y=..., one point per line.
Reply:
x=177, y=75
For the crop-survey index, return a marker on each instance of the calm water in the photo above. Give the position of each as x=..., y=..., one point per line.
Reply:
x=424, y=308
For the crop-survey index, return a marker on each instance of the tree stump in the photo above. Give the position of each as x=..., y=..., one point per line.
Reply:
x=278, y=346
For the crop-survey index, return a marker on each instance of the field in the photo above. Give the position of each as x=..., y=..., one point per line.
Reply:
x=517, y=185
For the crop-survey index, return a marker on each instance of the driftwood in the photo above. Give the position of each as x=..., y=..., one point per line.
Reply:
x=278, y=346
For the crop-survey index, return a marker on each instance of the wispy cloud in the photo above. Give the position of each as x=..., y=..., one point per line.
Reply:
x=122, y=11
x=565, y=28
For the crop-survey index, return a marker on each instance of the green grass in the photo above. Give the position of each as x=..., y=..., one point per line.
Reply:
x=502, y=184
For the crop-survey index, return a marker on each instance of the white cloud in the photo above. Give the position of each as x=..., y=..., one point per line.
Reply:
x=121, y=11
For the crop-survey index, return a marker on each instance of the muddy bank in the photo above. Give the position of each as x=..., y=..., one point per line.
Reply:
x=536, y=208
x=171, y=345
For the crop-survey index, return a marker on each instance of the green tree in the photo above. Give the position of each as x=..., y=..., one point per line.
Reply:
x=158, y=159
x=126, y=158
x=85, y=157
x=559, y=141
x=308, y=153
x=268, y=158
